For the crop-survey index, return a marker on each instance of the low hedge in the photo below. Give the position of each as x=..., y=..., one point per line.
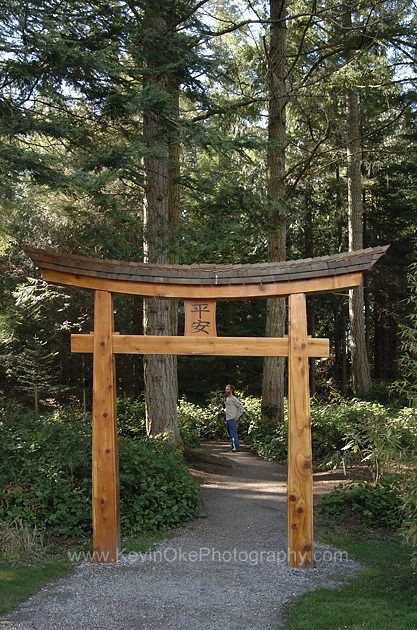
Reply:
x=45, y=475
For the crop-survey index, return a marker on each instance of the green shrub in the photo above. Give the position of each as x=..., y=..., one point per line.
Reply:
x=192, y=420
x=328, y=431
x=268, y=440
x=383, y=392
x=409, y=512
x=251, y=416
x=351, y=430
x=45, y=476
x=208, y=423
x=214, y=416
x=156, y=489
x=131, y=417
x=360, y=432
x=335, y=420
x=378, y=438
x=377, y=505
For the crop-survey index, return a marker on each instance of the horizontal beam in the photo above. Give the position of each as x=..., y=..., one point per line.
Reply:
x=225, y=292
x=212, y=346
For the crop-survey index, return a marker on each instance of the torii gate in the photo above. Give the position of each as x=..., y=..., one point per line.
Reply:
x=200, y=286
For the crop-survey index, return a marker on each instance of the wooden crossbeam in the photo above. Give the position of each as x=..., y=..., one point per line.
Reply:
x=212, y=346
x=221, y=292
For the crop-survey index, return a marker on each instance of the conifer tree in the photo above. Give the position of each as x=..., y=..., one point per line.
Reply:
x=273, y=372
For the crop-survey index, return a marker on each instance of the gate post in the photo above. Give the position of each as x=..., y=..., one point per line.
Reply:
x=105, y=475
x=300, y=474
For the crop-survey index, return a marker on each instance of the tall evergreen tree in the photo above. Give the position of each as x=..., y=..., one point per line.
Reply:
x=360, y=363
x=273, y=372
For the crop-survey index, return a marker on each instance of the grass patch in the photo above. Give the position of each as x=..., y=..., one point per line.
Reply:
x=145, y=542
x=20, y=580
x=381, y=596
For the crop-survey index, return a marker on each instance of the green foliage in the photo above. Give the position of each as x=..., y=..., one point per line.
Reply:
x=32, y=369
x=45, y=472
x=359, y=432
x=409, y=511
x=205, y=423
x=20, y=581
x=378, y=505
x=352, y=430
x=380, y=595
x=408, y=362
x=383, y=439
x=372, y=434
x=383, y=392
x=269, y=441
x=191, y=419
x=156, y=490
x=131, y=417
x=72, y=147
x=45, y=475
x=29, y=334
x=408, y=387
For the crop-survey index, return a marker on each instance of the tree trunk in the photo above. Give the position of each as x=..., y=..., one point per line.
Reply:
x=311, y=327
x=160, y=373
x=273, y=371
x=174, y=207
x=340, y=350
x=360, y=365
x=308, y=229
x=385, y=342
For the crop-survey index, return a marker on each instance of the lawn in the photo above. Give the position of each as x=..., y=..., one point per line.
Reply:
x=18, y=581
x=382, y=595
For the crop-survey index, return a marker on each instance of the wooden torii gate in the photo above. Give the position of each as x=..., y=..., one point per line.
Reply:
x=200, y=286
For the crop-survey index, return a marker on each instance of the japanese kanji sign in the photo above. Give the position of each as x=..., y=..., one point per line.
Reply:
x=200, y=318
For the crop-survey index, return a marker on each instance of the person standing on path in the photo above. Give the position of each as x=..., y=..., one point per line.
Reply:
x=234, y=410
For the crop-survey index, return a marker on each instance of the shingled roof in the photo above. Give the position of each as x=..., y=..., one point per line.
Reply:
x=210, y=274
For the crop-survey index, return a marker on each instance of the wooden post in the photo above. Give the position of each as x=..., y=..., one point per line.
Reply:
x=300, y=475
x=106, y=503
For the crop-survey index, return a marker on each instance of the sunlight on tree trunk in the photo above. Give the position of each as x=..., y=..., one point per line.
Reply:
x=160, y=372
x=360, y=364
x=273, y=371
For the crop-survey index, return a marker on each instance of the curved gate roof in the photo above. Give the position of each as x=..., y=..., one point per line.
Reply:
x=208, y=274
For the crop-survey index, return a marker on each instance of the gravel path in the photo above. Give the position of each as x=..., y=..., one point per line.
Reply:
x=225, y=571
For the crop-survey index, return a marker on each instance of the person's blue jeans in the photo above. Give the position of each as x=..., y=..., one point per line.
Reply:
x=232, y=433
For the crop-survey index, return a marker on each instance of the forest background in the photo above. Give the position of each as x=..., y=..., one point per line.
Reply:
x=212, y=131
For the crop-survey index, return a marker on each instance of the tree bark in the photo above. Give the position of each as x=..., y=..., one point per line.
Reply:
x=160, y=371
x=308, y=229
x=340, y=349
x=273, y=371
x=385, y=341
x=174, y=206
x=360, y=364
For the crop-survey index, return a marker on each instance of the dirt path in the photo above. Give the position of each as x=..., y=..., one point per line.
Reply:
x=225, y=571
